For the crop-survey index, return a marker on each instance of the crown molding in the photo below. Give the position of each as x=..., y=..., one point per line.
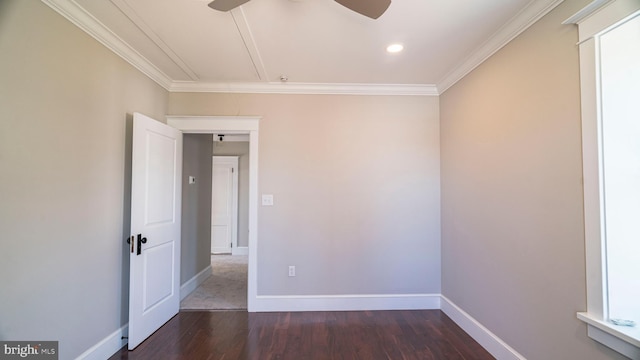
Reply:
x=77, y=15
x=519, y=23
x=89, y=24
x=307, y=88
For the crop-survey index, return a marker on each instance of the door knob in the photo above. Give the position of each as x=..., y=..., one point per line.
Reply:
x=141, y=240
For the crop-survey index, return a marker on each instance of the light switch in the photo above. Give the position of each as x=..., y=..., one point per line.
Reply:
x=192, y=180
x=267, y=200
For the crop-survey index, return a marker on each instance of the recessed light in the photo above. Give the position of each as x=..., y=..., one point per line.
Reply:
x=395, y=48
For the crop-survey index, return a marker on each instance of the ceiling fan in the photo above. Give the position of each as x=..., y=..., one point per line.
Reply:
x=370, y=8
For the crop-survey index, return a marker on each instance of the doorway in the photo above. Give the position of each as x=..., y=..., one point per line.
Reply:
x=232, y=153
x=248, y=126
x=224, y=203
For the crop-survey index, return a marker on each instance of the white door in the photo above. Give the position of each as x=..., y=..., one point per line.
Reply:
x=224, y=204
x=154, y=288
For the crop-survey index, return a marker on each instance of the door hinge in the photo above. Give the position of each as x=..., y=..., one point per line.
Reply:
x=131, y=240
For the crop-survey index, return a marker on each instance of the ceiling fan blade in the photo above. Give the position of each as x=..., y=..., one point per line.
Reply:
x=226, y=5
x=370, y=8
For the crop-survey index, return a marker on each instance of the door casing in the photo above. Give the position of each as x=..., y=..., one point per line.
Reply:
x=234, y=125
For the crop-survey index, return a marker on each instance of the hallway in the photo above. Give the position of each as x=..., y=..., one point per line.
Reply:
x=225, y=289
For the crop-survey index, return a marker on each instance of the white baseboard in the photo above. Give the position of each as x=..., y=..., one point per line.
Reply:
x=114, y=342
x=107, y=346
x=488, y=340
x=188, y=287
x=240, y=250
x=493, y=344
x=264, y=303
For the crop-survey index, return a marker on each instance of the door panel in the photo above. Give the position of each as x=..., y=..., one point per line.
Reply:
x=154, y=295
x=224, y=203
x=221, y=236
x=160, y=182
x=158, y=277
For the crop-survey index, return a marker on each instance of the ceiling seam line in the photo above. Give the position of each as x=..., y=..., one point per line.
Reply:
x=130, y=13
x=258, y=66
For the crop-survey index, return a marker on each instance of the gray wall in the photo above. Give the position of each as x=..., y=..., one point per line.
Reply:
x=241, y=149
x=64, y=178
x=512, y=227
x=196, y=205
x=354, y=216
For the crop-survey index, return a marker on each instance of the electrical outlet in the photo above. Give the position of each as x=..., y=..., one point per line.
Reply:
x=292, y=270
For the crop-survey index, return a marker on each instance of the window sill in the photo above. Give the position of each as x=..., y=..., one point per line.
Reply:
x=623, y=339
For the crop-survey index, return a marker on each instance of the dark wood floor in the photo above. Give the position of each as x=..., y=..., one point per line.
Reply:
x=230, y=335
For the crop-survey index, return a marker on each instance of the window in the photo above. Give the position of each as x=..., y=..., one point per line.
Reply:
x=620, y=166
x=610, y=81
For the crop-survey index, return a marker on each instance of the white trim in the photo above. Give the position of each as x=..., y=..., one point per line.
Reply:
x=231, y=137
x=613, y=342
x=252, y=285
x=106, y=347
x=234, y=125
x=592, y=195
x=493, y=344
x=600, y=15
x=130, y=13
x=197, y=280
x=214, y=124
x=307, y=88
x=240, y=250
x=77, y=15
x=624, y=333
x=240, y=19
x=586, y=12
x=519, y=23
x=270, y=303
x=488, y=340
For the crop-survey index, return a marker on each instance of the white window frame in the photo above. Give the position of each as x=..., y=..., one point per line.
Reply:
x=595, y=19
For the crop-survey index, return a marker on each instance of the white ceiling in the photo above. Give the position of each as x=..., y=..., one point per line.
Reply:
x=318, y=44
